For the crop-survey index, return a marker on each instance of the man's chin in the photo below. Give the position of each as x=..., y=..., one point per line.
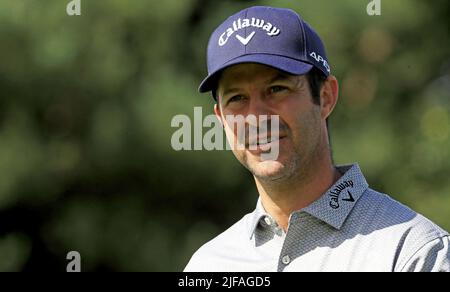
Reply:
x=268, y=170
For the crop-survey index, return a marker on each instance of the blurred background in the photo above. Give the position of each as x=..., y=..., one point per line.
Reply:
x=86, y=104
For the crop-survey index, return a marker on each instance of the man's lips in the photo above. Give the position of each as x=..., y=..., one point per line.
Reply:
x=263, y=139
x=263, y=144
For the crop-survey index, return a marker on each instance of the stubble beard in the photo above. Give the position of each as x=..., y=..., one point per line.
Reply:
x=296, y=168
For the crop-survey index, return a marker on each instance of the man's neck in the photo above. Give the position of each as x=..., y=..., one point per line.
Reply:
x=280, y=199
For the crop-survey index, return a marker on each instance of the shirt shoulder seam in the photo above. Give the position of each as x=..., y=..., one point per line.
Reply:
x=441, y=237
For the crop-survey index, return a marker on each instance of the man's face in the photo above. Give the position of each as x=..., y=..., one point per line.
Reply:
x=254, y=89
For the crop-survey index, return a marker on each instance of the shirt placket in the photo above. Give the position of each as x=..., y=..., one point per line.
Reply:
x=291, y=246
x=278, y=237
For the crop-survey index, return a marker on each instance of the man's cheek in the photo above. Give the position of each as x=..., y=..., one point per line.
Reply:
x=235, y=138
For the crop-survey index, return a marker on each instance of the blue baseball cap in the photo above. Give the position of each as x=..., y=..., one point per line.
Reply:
x=276, y=37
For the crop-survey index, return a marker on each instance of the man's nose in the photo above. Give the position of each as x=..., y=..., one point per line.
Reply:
x=259, y=109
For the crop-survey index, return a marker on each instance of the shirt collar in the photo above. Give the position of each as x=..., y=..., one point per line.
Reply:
x=334, y=206
x=338, y=201
x=259, y=213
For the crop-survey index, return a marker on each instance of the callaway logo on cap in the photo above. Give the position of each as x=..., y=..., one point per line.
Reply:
x=276, y=37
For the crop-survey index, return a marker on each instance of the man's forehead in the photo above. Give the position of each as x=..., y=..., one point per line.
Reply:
x=250, y=72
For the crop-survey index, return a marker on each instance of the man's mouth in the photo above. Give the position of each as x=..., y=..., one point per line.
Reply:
x=263, y=144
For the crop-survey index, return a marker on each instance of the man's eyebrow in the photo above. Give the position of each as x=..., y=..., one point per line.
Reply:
x=280, y=76
x=228, y=91
x=287, y=77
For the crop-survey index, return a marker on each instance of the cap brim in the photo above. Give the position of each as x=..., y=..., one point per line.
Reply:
x=286, y=64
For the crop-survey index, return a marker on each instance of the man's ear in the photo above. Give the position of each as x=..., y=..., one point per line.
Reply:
x=329, y=94
x=218, y=113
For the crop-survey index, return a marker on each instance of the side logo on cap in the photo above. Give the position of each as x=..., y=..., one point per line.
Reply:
x=239, y=24
x=320, y=59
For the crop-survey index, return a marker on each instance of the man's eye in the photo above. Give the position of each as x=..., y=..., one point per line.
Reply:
x=235, y=98
x=275, y=89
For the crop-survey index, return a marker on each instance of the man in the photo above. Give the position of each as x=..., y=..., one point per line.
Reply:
x=311, y=215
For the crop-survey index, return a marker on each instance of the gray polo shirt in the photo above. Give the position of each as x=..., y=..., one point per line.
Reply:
x=350, y=228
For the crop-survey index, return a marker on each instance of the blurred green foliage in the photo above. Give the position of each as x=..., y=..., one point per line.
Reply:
x=85, y=109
